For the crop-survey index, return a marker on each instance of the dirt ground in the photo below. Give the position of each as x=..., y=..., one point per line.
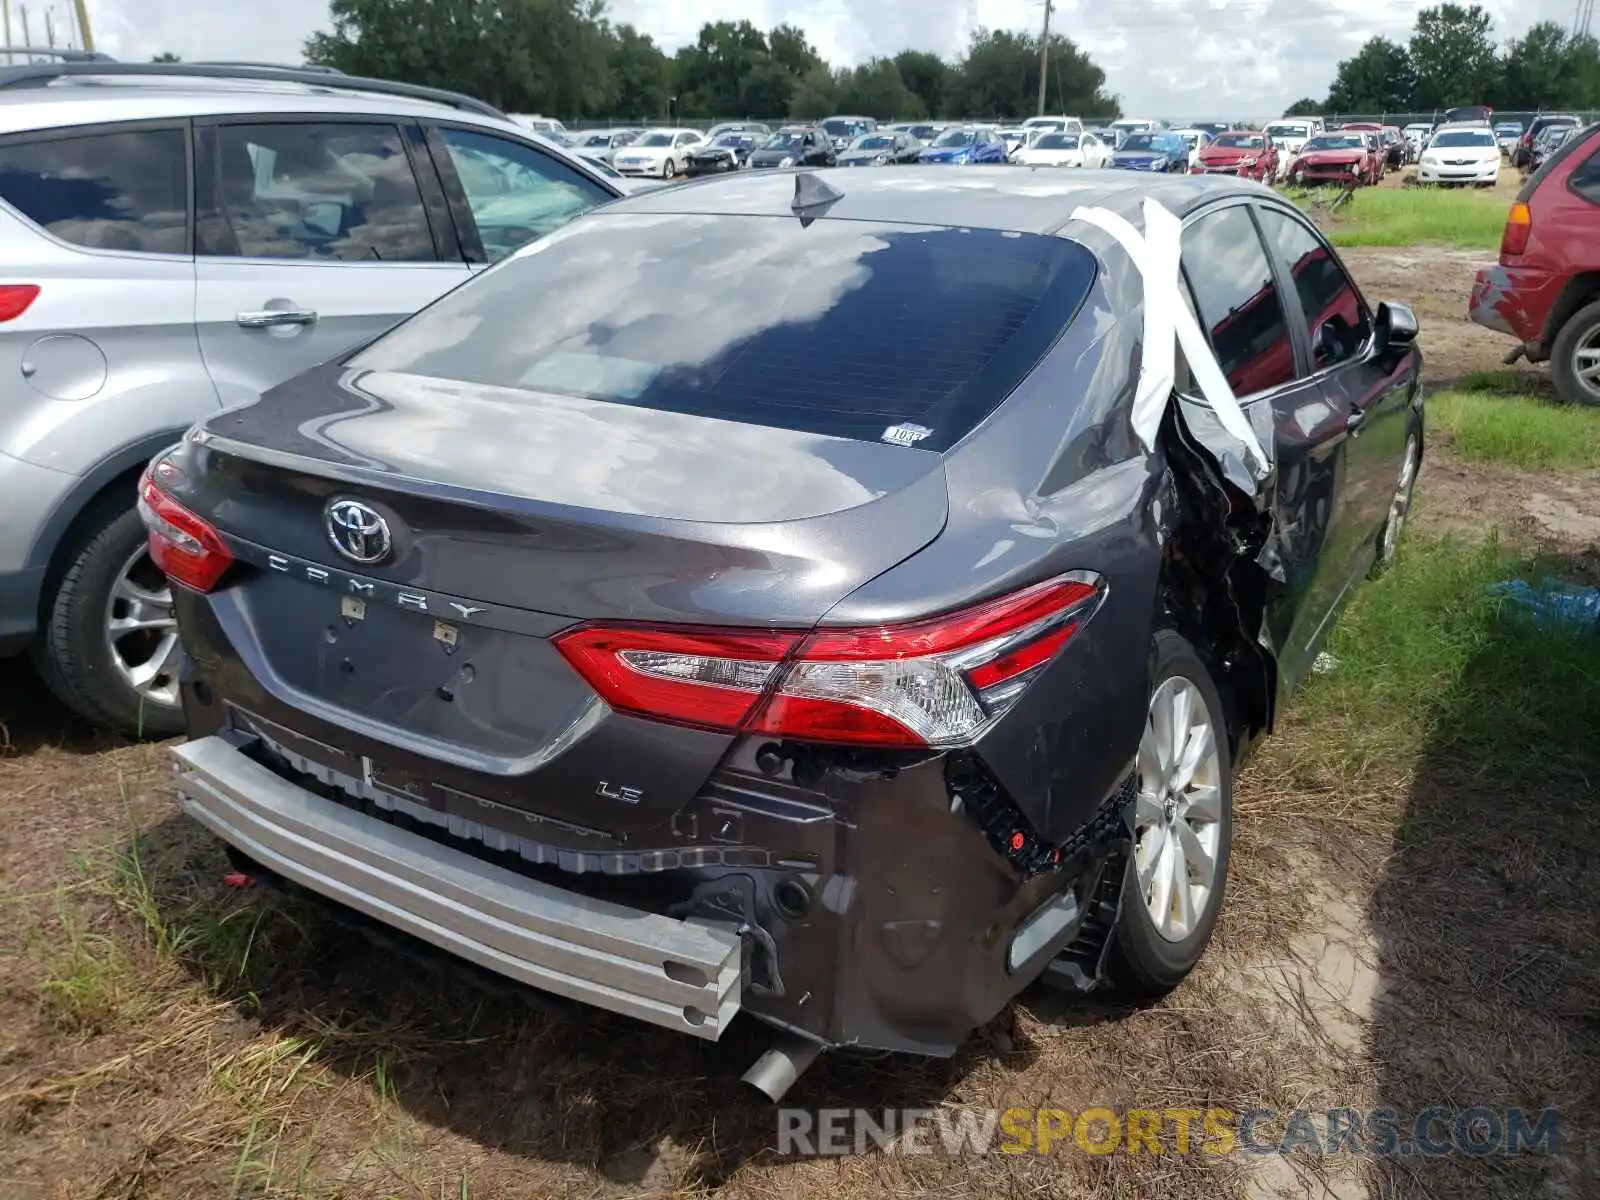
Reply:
x=162, y=1035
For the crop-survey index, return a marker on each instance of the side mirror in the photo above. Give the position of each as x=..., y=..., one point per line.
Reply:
x=1394, y=327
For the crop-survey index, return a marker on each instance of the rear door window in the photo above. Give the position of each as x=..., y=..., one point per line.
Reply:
x=843, y=328
x=122, y=190
x=1236, y=298
x=340, y=192
x=516, y=193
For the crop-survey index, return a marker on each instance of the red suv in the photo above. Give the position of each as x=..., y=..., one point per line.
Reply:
x=1545, y=290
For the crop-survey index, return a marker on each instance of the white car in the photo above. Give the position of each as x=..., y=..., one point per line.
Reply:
x=1123, y=126
x=1461, y=154
x=601, y=145
x=657, y=152
x=1194, y=139
x=1290, y=137
x=1055, y=149
x=1015, y=139
x=544, y=126
x=1059, y=124
x=1418, y=134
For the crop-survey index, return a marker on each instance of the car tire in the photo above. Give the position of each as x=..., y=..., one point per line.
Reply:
x=1388, y=544
x=109, y=576
x=669, y=169
x=1577, y=349
x=1176, y=829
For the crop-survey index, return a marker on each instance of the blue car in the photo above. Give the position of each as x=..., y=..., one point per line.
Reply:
x=1152, y=152
x=972, y=144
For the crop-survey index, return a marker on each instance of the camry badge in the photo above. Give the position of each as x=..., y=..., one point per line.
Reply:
x=358, y=531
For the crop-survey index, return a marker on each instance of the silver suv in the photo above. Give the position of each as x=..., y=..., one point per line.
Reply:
x=175, y=239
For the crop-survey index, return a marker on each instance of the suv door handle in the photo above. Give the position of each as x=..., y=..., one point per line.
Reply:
x=266, y=318
x=1352, y=423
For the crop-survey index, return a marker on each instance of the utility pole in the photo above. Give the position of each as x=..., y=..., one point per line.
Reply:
x=49, y=30
x=84, y=34
x=5, y=7
x=1044, y=55
x=27, y=38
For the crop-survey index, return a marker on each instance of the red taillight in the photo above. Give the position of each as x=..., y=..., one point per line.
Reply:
x=708, y=678
x=1519, y=224
x=15, y=298
x=185, y=547
x=937, y=682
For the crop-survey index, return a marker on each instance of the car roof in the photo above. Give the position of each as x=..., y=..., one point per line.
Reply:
x=81, y=101
x=1018, y=200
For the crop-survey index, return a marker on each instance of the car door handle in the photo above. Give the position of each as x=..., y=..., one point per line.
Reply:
x=1352, y=423
x=266, y=318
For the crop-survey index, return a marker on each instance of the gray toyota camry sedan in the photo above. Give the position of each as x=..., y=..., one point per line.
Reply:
x=806, y=595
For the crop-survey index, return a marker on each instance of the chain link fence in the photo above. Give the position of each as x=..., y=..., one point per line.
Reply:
x=1403, y=119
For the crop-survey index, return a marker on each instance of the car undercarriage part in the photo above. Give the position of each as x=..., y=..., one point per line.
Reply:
x=775, y=1072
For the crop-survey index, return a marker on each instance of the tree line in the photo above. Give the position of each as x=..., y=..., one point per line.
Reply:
x=1452, y=59
x=566, y=58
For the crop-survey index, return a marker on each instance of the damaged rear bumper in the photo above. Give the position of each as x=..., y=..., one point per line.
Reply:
x=678, y=974
x=1516, y=301
x=874, y=910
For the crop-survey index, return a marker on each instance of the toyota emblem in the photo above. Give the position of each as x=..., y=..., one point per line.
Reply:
x=358, y=531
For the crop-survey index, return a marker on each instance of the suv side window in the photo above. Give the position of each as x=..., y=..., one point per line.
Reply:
x=517, y=194
x=1237, y=300
x=302, y=189
x=1585, y=178
x=1327, y=297
x=127, y=190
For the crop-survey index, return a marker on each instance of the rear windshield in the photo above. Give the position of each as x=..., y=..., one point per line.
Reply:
x=842, y=328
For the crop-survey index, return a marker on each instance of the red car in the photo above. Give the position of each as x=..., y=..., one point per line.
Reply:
x=1545, y=290
x=1246, y=153
x=1339, y=157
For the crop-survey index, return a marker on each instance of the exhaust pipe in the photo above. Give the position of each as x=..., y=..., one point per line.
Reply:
x=774, y=1073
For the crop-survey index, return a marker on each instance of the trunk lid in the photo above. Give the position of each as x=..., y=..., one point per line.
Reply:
x=511, y=521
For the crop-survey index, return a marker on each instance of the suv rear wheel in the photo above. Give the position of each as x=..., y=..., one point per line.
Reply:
x=1183, y=825
x=1575, y=357
x=110, y=648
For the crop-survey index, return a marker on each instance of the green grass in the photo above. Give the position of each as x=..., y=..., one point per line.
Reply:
x=1429, y=664
x=1520, y=431
x=1461, y=217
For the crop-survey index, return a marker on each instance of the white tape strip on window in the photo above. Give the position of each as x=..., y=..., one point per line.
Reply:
x=1168, y=323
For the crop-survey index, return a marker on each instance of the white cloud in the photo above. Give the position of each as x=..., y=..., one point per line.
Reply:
x=1178, y=58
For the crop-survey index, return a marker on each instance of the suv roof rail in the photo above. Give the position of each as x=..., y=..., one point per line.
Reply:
x=64, y=55
x=40, y=74
x=220, y=62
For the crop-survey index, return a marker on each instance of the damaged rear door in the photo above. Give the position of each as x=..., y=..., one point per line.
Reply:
x=1240, y=306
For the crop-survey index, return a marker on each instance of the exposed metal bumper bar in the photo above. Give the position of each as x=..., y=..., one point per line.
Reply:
x=680, y=975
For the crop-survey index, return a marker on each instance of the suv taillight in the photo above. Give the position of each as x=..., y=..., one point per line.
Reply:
x=15, y=298
x=1519, y=224
x=184, y=546
x=940, y=682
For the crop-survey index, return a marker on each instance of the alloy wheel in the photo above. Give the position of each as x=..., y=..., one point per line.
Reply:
x=1178, y=813
x=1586, y=362
x=1401, y=504
x=142, y=632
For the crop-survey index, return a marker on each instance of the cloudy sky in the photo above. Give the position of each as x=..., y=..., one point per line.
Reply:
x=1195, y=58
